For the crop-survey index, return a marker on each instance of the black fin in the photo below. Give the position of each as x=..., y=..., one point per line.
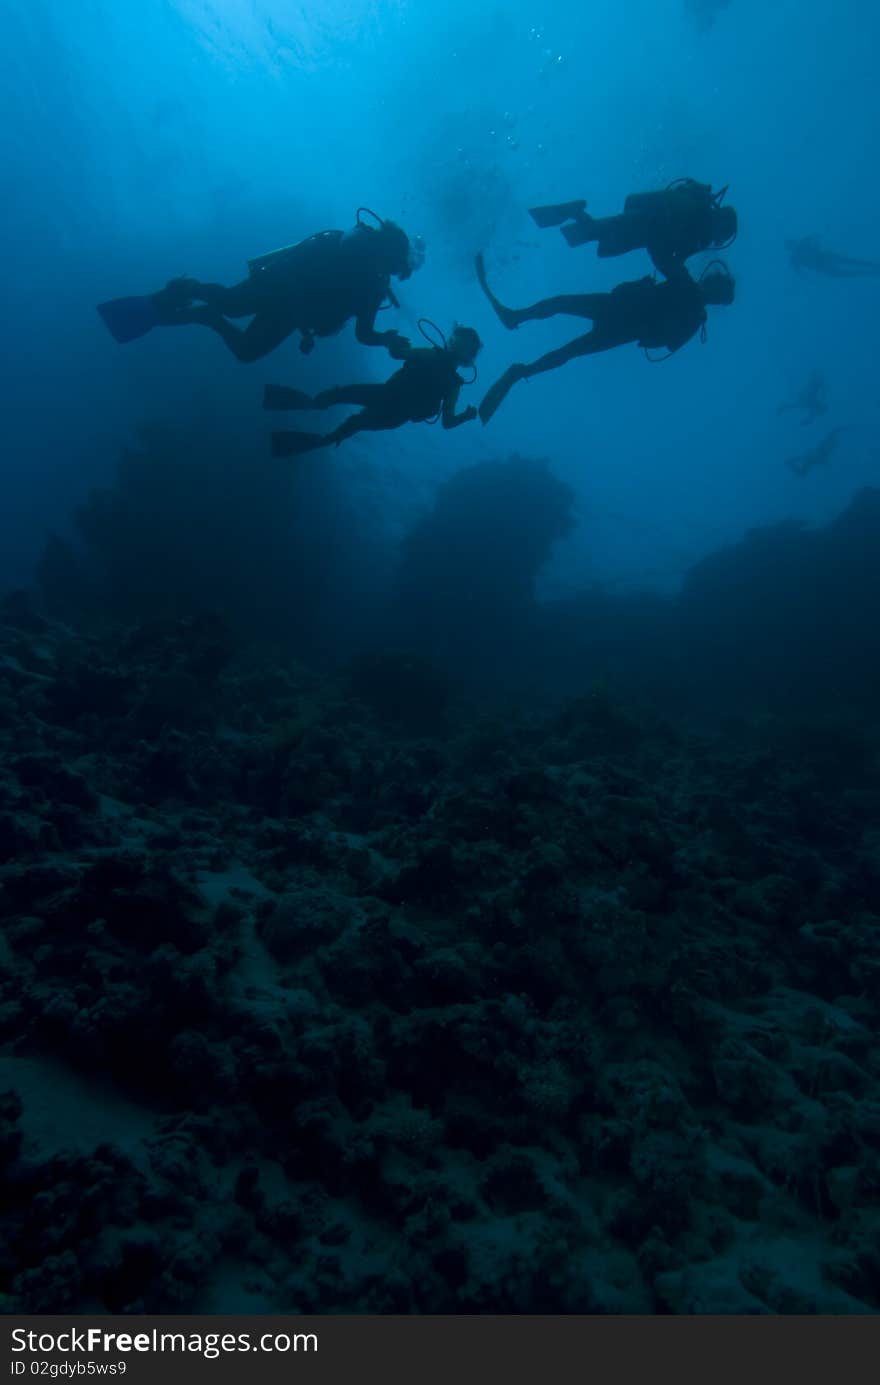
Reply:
x=556, y=214
x=293, y=444
x=283, y=397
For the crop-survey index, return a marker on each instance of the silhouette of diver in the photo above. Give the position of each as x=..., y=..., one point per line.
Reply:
x=808, y=253
x=818, y=455
x=656, y=315
x=704, y=12
x=811, y=399
x=313, y=287
x=426, y=386
x=672, y=224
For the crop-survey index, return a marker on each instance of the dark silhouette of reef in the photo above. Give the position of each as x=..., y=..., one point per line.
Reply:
x=368, y=996
x=465, y=581
x=196, y=521
x=784, y=621
x=789, y=616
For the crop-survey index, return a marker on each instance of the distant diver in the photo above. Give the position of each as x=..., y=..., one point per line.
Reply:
x=314, y=287
x=425, y=387
x=704, y=12
x=810, y=254
x=806, y=462
x=673, y=224
x=811, y=399
x=664, y=315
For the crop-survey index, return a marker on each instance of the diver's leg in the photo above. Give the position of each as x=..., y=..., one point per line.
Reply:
x=287, y=444
x=262, y=335
x=370, y=420
x=509, y=317
x=586, y=345
x=237, y=300
x=294, y=444
x=364, y=395
x=283, y=397
x=557, y=213
x=587, y=305
x=572, y=304
x=583, y=229
x=177, y=298
x=618, y=235
x=356, y=423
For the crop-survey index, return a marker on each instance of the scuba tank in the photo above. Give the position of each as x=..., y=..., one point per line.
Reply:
x=367, y=223
x=657, y=203
x=646, y=204
x=288, y=254
x=685, y=210
x=717, y=267
x=285, y=254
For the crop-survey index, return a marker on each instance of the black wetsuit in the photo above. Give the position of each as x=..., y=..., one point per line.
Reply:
x=659, y=316
x=671, y=225
x=425, y=387
x=414, y=393
x=663, y=315
x=656, y=315
x=314, y=287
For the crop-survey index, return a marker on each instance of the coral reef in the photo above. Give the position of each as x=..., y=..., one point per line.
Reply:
x=197, y=520
x=307, y=1005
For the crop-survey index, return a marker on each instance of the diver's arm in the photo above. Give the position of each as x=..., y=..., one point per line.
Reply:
x=365, y=331
x=449, y=418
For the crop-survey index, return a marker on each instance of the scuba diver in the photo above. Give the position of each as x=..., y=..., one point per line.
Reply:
x=683, y=219
x=656, y=315
x=808, y=253
x=313, y=287
x=811, y=399
x=817, y=455
x=704, y=12
x=426, y=387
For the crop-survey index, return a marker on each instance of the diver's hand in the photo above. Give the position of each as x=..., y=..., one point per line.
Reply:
x=398, y=346
x=469, y=414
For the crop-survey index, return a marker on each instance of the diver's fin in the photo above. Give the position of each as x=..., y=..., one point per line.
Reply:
x=580, y=231
x=282, y=397
x=497, y=393
x=129, y=318
x=555, y=215
x=293, y=444
x=508, y=316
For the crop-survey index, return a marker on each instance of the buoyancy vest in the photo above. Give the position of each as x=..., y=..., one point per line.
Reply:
x=326, y=279
x=423, y=382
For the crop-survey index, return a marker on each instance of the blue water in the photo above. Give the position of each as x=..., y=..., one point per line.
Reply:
x=441, y=874
x=146, y=140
